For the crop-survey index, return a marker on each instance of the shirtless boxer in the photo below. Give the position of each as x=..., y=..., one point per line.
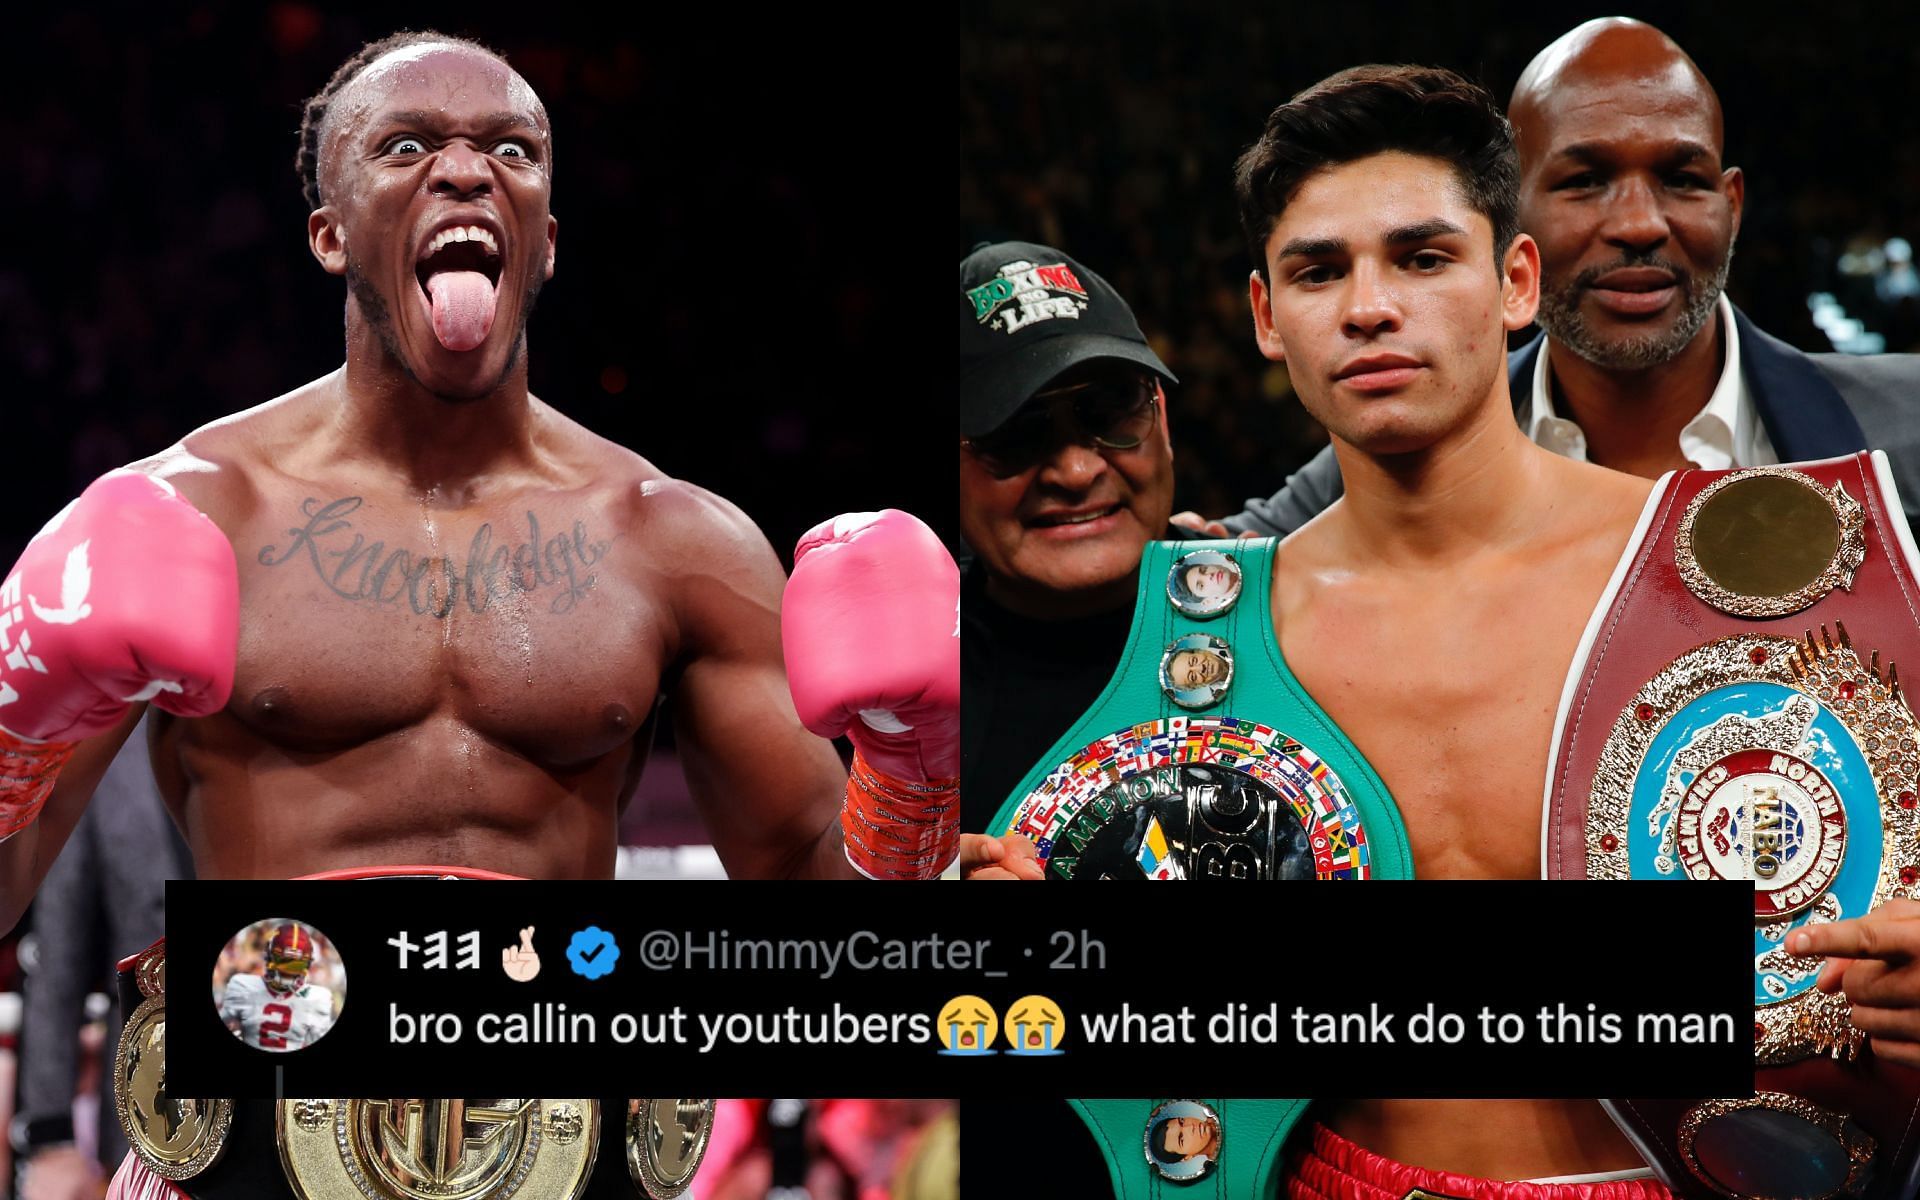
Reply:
x=455, y=610
x=1390, y=270
x=1435, y=608
x=459, y=609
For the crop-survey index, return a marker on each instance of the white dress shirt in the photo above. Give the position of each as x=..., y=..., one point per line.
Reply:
x=1726, y=433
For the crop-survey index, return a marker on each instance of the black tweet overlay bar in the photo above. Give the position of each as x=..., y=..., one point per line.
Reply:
x=1387, y=989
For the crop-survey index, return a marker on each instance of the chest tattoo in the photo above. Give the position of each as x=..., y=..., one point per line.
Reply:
x=520, y=563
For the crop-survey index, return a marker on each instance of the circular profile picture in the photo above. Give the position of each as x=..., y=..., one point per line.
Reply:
x=1196, y=670
x=1183, y=1140
x=279, y=985
x=1204, y=584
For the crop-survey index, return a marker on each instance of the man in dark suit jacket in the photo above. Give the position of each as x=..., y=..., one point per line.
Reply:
x=102, y=900
x=1644, y=366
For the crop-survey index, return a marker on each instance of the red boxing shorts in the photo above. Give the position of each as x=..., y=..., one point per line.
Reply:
x=1333, y=1168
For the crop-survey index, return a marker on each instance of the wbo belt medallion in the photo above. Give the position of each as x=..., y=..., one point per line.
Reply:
x=178, y=1138
x=1790, y=764
x=1729, y=717
x=437, y=1149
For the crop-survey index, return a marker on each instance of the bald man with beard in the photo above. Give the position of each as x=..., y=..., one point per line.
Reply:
x=1644, y=366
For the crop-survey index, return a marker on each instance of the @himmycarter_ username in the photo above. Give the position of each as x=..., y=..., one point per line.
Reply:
x=862, y=950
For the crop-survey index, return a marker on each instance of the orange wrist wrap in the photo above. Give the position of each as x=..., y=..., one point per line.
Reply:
x=27, y=772
x=895, y=829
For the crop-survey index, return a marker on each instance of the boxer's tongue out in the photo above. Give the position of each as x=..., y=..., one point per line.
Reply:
x=460, y=273
x=463, y=303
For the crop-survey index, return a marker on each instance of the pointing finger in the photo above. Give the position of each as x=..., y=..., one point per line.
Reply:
x=1858, y=938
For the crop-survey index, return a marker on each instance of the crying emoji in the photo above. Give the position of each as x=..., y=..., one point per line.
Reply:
x=967, y=1025
x=1035, y=1026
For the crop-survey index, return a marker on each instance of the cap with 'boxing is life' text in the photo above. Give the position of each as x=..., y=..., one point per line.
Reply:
x=1028, y=313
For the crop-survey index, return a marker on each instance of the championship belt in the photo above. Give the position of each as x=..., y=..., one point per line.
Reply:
x=1204, y=758
x=177, y=1138
x=1159, y=1148
x=390, y=1149
x=1733, y=713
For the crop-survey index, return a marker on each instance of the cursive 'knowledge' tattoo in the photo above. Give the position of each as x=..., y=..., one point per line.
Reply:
x=368, y=571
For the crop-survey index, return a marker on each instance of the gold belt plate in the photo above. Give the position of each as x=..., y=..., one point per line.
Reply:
x=437, y=1149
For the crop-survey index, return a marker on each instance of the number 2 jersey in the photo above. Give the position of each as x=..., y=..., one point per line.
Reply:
x=276, y=1020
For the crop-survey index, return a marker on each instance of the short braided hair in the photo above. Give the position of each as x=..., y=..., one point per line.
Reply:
x=306, y=161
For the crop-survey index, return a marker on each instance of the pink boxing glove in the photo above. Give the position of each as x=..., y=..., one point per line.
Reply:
x=870, y=624
x=129, y=594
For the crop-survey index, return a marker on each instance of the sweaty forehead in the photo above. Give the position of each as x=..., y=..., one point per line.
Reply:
x=433, y=77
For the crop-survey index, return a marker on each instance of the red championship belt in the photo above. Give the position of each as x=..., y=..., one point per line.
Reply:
x=1733, y=712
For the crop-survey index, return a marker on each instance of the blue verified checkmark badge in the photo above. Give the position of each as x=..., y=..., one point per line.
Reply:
x=592, y=952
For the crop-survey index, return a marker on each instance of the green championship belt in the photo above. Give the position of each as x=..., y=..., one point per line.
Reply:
x=1204, y=758
x=1158, y=1148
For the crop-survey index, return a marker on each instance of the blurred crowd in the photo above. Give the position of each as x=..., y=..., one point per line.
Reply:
x=832, y=1150
x=1110, y=132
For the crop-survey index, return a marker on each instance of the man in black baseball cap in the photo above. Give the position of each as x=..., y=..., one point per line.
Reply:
x=1030, y=314
x=1065, y=474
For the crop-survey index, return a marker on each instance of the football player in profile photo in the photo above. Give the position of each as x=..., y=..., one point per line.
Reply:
x=273, y=998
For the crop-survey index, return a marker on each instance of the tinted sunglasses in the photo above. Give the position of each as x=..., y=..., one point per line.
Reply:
x=1108, y=414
